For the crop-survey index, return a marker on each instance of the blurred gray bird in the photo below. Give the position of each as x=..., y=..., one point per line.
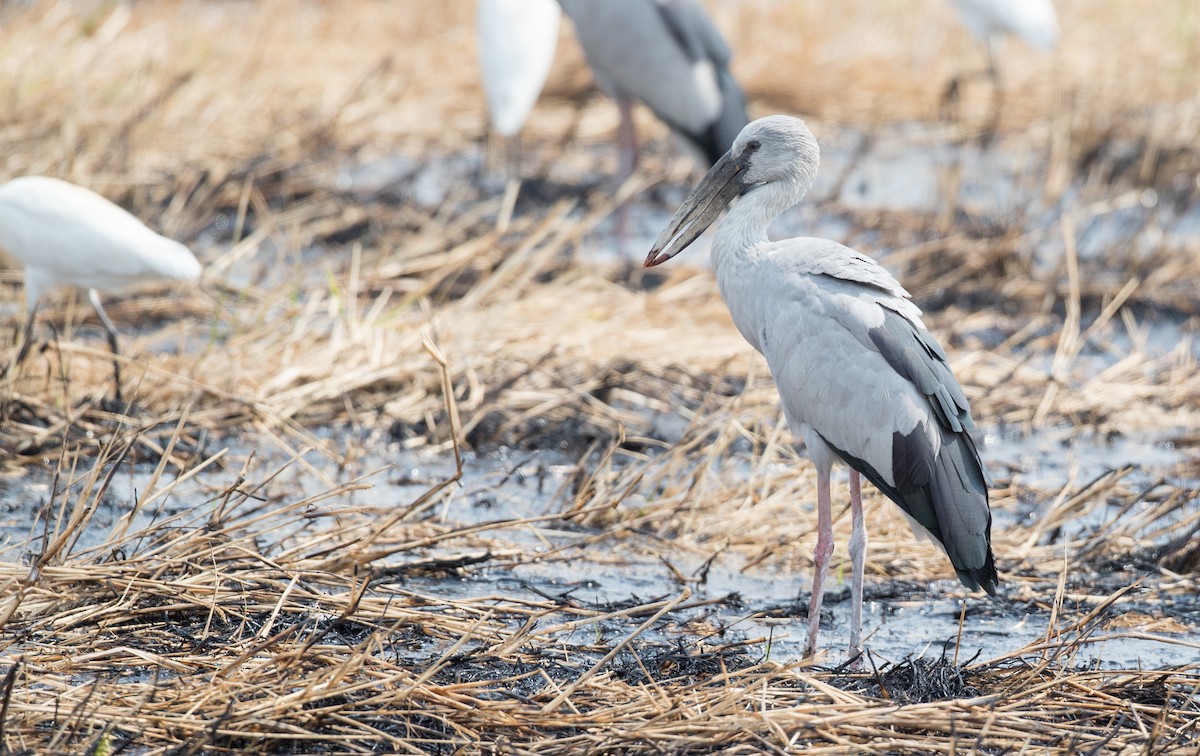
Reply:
x=668, y=55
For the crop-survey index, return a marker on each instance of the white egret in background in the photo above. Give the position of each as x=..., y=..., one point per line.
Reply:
x=860, y=378
x=516, y=41
x=989, y=21
x=66, y=235
x=668, y=55
x=516, y=47
x=1034, y=21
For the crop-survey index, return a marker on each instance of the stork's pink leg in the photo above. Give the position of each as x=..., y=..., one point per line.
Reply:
x=858, y=555
x=820, y=560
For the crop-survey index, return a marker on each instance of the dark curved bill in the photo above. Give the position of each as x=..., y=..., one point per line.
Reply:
x=716, y=190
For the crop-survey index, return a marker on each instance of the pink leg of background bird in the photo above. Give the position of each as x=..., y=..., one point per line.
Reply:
x=628, y=158
x=626, y=141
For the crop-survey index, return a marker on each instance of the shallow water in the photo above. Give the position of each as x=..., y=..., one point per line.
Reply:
x=900, y=619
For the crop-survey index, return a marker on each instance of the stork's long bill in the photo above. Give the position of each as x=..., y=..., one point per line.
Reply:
x=717, y=189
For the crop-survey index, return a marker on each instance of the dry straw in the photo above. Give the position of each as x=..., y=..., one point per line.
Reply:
x=346, y=318
x=234, y=633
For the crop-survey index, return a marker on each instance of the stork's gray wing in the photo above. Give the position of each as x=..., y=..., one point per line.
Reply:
x=875, y=308
x=945, y=493
x=915, y=355
x=694, y=31
x=856, y=367
x=839, y=263
x=943, y=486
x=696, y=35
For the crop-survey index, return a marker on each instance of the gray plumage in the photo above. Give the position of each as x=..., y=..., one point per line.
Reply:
x=668, y=55
x=929, y=486
x=860, y=374
x=860, y=378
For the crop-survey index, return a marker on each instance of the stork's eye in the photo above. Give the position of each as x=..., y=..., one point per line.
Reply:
x=753, y=145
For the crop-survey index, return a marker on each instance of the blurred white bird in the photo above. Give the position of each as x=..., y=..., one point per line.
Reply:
x=516, y=41
x=1034, y=21
x=861, y=379
x=66, y=235
x=989, y=21
x=670, y=56
x=516, y=47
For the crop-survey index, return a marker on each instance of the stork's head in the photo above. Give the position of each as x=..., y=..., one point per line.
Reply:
x=776, y=148
x=770, y=151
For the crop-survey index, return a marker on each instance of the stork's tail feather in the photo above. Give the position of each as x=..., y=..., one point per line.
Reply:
x=984, y=578
x=946, y=495
x=960, y=502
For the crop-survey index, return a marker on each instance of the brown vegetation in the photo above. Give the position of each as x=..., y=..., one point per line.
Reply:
x=280, y=619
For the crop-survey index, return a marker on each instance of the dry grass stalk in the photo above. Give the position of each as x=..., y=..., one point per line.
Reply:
x=279, y=620
x=258, y=600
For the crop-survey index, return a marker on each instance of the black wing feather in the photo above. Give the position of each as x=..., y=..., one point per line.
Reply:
x=947, y=492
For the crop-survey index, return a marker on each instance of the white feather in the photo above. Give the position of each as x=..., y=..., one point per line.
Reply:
x=516, y=47
x=66, y=235
x=1034, y=21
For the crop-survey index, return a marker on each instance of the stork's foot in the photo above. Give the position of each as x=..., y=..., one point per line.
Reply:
x=117, y=399
x=811, y=644
x=855, y=662
x=987, y=136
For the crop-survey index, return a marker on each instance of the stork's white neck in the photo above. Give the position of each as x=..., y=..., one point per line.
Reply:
x=746, y=223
